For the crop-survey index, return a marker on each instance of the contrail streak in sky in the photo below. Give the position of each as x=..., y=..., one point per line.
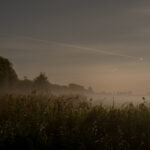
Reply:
x=90, y=49
x=86, y=49
x=101, y=51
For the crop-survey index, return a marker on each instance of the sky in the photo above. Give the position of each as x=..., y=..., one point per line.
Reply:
x=100, y=43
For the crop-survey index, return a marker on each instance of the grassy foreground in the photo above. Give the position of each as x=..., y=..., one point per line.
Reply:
x=71, y=123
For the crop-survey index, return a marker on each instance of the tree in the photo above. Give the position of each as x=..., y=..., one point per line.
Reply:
x=41, y=82
x=8, y=76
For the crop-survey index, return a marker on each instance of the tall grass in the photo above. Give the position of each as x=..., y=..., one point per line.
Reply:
x=39, y=122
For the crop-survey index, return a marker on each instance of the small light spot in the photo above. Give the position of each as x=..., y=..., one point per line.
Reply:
x=141, y=59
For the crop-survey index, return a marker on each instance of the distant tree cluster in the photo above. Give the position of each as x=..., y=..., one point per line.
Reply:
x=9, y=82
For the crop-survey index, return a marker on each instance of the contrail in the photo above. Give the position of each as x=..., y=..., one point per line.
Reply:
x=103, y=52
x=89, y=49
x=99, y=51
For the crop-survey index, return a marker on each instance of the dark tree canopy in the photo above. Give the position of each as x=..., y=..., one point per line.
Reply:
x=8, y=75
x=41, y=82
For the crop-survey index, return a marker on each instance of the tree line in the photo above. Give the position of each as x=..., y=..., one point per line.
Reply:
x=9, y=82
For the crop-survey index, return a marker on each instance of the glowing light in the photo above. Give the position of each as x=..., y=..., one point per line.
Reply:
x=141, y=59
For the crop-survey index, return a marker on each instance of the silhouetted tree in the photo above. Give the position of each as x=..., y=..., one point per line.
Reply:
x=8, y=76
x=41, y=82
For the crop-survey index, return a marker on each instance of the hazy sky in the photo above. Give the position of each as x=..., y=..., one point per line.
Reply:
x=100, y=43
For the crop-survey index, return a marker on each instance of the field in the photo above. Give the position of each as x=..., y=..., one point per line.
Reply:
x=119, y=100
x=39, y=122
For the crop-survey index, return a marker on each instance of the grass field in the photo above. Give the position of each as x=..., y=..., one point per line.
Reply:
x=39, y=122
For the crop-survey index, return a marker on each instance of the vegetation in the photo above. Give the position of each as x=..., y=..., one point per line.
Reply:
x=33, y=118
x=8, y=76
x=71, y=123
x=9, y=82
